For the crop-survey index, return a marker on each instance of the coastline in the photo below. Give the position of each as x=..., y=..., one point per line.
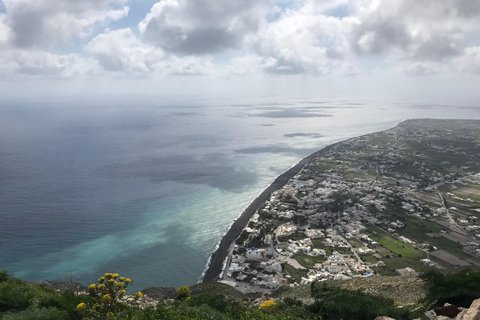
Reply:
x=217, y=258
x=214, y=267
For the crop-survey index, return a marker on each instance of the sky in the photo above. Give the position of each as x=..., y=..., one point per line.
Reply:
x=51, y=48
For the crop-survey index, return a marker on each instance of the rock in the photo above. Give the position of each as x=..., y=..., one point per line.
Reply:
x=160, y=293
x=60, y=285
x=383, y=318
x=473, y=313
x=449, y=311
x=431, y=315
x=461, y=315
x=443, y=318
x=419, y=309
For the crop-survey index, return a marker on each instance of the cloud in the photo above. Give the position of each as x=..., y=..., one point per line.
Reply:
x=121, y=51
x=303, y=41
x=470, y=60
x=41, y=63
x=202, y=26
x=412, y=30
x=48, y=23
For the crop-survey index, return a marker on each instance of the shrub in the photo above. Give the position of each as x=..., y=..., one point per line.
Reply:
x=455, y=288
x=108, y=293
x=37, y=314
x=267, y=304
x=67, y=302
x=334, y=303
x=183, y=293
x=4, y=276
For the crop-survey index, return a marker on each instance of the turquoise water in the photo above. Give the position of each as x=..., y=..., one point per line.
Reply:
x=148, y=189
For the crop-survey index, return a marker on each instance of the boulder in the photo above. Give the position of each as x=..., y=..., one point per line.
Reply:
x=473, y=313
x=449, y=310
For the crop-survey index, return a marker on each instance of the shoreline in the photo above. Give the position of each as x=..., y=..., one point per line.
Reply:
x=217, y=258
x=214, y=268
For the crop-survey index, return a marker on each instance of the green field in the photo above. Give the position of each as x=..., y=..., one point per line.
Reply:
x=395, y=245
x=356, y=243
x=295, y=273
x=308, y=261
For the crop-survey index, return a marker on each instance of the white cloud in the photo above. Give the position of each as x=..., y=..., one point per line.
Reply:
x=203, y=26
x=469, y=62
x=40, y=63
x=122, y=51
x=305, y=41
x=4, y=30
x=47, y=23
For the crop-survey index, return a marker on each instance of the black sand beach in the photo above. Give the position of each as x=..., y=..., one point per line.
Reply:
x=218, y=257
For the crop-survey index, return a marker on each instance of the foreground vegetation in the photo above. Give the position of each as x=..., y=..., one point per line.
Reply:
x=20, y=300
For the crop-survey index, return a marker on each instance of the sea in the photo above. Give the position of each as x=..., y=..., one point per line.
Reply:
x=147, y=187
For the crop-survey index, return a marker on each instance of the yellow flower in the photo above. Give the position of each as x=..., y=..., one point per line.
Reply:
x=267, y=304
x=101, y=286
x=122, y=291
x=106, y=298
x=115, y=275
x=128, y=280
x=112, y=281
x=82, y=306
x=110, y=314
x=120, y=284
x=101, y=279
x=92, y=287
x=108, y=275
x=139, y=294
x=121, y=279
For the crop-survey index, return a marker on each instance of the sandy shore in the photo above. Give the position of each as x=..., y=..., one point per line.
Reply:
x=218, y=257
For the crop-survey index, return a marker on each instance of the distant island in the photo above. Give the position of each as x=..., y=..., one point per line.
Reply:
x=398, y=202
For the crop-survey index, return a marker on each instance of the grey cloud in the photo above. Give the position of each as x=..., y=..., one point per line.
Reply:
x=202, y=27
x=468, y=8
x=381, y=35
x=43, y=23
x=437, y=48
x=199, y=41
x=333, y=53
x=27, y=24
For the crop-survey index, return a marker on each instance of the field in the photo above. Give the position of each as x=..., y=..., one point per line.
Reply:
x=308, y=261
x=296, y=274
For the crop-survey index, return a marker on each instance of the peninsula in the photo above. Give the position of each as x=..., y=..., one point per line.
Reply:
x=397, y=202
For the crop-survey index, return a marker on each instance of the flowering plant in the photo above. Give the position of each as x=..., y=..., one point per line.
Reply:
x=110, y=290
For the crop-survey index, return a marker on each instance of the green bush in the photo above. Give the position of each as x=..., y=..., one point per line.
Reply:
x=67, y=302
x=334, y=303
x=456, y=288
x=38, y=314
x=18, y=295
x=4, y=276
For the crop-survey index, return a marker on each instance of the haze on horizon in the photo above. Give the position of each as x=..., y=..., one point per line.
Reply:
x=406, y=48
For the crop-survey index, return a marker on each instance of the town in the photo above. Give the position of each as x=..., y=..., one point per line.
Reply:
x=397, y=202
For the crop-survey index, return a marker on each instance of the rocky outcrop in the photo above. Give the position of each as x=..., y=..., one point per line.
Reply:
x=60, y=285
x=472, y=313
x=160, y=293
